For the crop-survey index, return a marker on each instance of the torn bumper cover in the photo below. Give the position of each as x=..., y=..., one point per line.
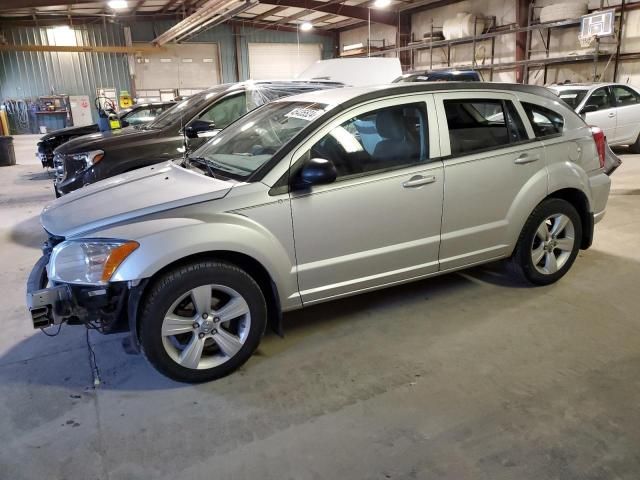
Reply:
x=100, y=307
x=46, y=305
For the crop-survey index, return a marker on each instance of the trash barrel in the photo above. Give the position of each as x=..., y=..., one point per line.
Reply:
x=7, y=154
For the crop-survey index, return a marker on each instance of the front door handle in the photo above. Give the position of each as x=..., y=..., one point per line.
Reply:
x=526, y=158
x=418, y=181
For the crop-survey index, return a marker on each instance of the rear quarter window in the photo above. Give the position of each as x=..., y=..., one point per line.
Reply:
x=544, y=121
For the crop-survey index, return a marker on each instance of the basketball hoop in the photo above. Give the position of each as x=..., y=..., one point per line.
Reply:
x=596, y=25
x=586, y=40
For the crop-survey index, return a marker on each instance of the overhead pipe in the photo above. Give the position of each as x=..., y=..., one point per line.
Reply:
x=217, y=20
x=209, y=10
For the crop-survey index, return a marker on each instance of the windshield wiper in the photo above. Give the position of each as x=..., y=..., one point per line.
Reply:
x=208, y=164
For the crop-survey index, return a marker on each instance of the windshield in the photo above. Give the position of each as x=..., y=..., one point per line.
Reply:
x=252, y=141
x=174, y=114
x=573, y=97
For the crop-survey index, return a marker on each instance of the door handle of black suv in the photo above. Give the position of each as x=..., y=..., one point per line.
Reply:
x=418, y=181
x=526, y=158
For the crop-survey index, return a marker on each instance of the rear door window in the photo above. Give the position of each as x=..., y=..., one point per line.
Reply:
x=625, y=96
x=545, y=122
x=225, y=111
x=479, y=125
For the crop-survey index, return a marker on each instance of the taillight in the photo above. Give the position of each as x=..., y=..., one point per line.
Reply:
x=599, y=138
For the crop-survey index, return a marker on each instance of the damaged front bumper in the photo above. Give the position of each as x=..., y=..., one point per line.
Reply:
x=103, y=308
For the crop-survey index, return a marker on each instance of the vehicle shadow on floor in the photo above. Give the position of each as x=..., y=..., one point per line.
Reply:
x=469, y=296
x=47, y=175
x=28, y=233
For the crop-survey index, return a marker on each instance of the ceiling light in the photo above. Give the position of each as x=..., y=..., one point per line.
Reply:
x=117, y=4
x=306, y=26
x=381, y=3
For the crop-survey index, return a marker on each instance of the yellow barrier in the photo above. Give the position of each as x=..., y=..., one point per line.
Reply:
x=4, y=123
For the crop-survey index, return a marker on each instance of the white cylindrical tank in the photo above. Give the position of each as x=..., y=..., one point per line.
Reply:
x=463, y=25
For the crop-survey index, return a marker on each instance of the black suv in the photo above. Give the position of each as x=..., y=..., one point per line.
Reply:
x=138, y=114
x=182, y=129
x=440, y=76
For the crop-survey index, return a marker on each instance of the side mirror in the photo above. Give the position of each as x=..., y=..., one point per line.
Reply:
x=200, y=128
x=124, y=123
x=316, y=171
x=589, y=108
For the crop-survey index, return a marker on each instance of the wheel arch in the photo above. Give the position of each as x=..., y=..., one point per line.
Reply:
x=580, y=202
x=249, y=264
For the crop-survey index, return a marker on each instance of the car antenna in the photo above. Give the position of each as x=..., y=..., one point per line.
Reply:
x=184, y=139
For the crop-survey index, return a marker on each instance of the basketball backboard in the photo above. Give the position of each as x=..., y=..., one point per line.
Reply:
x=598, y=24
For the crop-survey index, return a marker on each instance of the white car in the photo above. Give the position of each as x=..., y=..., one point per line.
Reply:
x=613, y=107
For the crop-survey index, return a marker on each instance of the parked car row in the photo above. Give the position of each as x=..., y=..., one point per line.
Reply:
x=138, y=114
x=306, y=199
x=183, y=128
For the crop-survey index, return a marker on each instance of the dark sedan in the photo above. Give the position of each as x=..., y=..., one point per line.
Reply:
x=184, y=128
x=136, y=115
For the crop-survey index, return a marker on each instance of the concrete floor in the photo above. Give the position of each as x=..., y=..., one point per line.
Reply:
x=466, y=376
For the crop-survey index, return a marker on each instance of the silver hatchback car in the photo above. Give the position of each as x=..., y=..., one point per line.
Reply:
x=313, y=198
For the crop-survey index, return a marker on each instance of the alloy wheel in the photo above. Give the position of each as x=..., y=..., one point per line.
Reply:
x=206, y=326
x=553, y=243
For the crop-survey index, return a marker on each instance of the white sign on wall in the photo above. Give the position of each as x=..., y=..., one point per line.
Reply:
x=80, y=110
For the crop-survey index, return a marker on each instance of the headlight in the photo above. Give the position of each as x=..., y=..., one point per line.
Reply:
x=89, y=158
x=88, y=262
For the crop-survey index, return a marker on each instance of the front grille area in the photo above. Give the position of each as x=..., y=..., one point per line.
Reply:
x=58, y=168
x=66, y=166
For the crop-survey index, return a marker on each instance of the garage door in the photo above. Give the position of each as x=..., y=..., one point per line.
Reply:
x=269, y=61
x=190, y=66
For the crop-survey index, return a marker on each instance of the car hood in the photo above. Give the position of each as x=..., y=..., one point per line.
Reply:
x=104, y=140
x=84, y=130
x=125, y=197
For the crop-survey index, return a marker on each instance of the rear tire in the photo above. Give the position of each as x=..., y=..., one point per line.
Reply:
x=202, y=321
x=549, y=242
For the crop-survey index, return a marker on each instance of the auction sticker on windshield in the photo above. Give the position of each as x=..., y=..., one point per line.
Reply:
x=304, y=113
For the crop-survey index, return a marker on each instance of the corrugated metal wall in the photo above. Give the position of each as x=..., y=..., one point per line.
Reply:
x=26, y=75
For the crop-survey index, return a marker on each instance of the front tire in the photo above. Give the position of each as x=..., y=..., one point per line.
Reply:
x=202, y=321
x=635, y=147
x=549, y=242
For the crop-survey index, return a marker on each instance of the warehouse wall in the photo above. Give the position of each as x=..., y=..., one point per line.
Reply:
x=252, y=35
x=26, y=75
x=379, y=33
x=222, y=35
x=225, y=37
x=565, y=42
x=505, y=13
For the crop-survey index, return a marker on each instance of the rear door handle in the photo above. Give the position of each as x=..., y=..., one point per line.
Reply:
x=526, y=158
x=612, y=114
x=418, y=180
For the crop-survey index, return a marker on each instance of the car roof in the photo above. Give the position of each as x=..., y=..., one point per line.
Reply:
x=340, y=96
x=578, y=86
x=228, y=87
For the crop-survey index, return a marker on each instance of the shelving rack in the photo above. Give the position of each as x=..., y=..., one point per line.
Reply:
x=545, y=31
